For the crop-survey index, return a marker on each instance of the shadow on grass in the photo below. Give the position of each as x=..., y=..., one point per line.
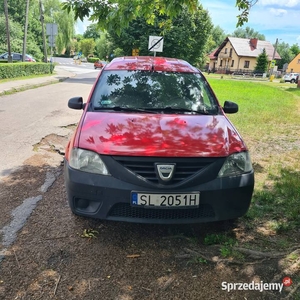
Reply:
x=279, y=204
x=294, y=90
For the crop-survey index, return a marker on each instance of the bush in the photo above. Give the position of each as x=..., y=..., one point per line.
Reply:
x=24, y=69
x=92, y=59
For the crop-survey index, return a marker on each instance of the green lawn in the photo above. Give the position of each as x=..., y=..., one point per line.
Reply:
x=264, y=107
x=269, y=121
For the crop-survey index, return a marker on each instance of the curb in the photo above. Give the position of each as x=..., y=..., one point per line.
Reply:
x=26, y=87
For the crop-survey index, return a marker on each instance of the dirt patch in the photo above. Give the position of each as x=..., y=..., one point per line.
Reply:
x=61, y=256
x=55, y=257
x=52, y=143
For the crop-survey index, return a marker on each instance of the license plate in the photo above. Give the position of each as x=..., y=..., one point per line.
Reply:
x=165, y=200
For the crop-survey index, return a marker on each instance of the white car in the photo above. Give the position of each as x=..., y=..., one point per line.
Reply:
x=291, y=77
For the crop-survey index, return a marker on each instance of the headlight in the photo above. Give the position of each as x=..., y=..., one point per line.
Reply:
x=236, y=164
x=87, y=161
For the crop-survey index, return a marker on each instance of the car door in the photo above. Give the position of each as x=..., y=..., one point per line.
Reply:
x=17, y=56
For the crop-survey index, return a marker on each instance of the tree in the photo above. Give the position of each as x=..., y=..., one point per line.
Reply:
x=65, y=22
x=87, y=46
x=244, y=6
x=185, y=37
x=248, y=33
x=7, y=30
x=53, y=13
x=92, y=32
x=104, y=47
x=119, y=13
x=295, y=49
x=15, y=31
x=16, y=10
x=216, y=38
x=262, y=62
x=25, y=31
x=285, y=53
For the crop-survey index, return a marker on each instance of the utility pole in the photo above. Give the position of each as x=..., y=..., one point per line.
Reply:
x=275, y=48
x=43, y=30
x=25, y=32
x=9, y=58
x=273, y=58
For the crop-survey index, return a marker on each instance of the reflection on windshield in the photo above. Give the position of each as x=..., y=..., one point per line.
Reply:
x=144, y=89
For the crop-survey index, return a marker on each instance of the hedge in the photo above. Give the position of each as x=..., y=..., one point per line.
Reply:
x=92, y=59
x=25, y=69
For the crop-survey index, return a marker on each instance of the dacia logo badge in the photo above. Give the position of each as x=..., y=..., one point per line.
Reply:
x=165, y=171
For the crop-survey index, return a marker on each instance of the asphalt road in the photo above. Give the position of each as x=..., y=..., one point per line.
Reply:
x=27, y=117
x=35, y=126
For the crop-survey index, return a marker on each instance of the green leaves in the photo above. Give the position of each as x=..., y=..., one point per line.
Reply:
x=185, y=35
x=89, y=233
x=244, y=6
x=118, y=14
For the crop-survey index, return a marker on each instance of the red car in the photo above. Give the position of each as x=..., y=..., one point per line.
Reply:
x=99, y=64
x=154, y=145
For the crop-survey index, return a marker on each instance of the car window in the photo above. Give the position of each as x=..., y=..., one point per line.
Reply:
x=145, y=89
x=16, y=56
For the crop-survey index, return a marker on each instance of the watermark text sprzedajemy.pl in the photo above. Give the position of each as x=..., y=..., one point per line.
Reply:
x=256, y=286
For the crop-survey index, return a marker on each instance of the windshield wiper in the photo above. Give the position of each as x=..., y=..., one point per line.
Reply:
x=181, y=109
x=127, y=109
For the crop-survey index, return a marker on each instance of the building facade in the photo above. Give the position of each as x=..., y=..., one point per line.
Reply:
x=240, y=55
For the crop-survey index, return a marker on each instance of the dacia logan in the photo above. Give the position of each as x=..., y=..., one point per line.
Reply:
x=154, y=145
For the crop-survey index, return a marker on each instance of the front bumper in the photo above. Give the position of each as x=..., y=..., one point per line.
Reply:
x=107, y=197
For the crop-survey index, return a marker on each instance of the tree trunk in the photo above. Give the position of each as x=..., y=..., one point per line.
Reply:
x=9, y=59
x=25, y=31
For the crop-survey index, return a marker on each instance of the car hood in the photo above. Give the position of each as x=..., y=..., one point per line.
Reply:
x=163, y=135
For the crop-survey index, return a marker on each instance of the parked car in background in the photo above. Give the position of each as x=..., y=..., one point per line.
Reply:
x=16, y=57
x=99, y=64
x=154, y=145
x=291, y=77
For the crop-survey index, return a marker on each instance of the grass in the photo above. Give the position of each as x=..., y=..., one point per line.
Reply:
x=25, y=77
x=260, y=104
x=281, y=203
x=268, y=119
x=225, y=241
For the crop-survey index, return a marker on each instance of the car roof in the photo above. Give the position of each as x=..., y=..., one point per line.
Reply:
x=150, y=63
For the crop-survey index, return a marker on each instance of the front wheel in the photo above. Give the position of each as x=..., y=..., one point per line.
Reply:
x=293, y=81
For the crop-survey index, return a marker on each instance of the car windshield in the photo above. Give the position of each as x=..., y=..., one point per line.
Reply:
x=169, y=91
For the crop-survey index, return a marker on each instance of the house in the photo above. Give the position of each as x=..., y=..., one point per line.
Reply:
x=294, y=65
x=239, y=55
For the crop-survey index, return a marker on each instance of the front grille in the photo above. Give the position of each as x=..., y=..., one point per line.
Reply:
x=125, y=210
x=145, y=166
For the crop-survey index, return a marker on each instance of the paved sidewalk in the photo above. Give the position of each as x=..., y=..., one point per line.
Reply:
x=58, y=75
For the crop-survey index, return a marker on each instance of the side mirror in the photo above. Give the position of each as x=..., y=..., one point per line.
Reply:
x=230, y=107
x=76, y=103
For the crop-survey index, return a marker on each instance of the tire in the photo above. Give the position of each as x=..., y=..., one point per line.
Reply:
x=293, y=81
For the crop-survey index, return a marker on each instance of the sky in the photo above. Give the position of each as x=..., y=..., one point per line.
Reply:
x=272, y=18
x=276, y=19
x=81, y=27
